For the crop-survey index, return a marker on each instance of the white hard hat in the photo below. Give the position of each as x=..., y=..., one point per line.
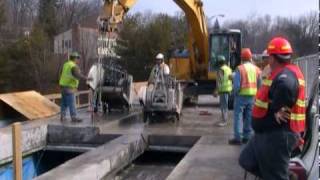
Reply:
x=160, y=56
x=265, y=53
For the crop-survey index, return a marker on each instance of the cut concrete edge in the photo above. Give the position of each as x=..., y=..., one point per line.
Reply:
x=33, y=139
x=127, y=119
x=176, y=172
x=187, y=167
x=101, y=162
x=59, y=134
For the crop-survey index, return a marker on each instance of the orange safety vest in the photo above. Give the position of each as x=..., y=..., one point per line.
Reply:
x=248, y=74
x=298, y=115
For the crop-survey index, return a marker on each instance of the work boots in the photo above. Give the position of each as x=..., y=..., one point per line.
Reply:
x=76, y=120
x=235, y=142
x=222, y=124
x=63, y=118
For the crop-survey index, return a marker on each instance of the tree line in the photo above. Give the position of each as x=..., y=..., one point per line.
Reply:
x=27, y=30
x=144, y=35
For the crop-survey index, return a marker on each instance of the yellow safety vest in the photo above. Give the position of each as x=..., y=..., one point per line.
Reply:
x=225, y=84
x=248, y=74
x=66, y=78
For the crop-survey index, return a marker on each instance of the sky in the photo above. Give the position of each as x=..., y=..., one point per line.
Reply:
x=234, y=9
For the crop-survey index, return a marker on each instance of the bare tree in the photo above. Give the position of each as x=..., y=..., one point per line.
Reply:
x=258, y=30
x=73, y=11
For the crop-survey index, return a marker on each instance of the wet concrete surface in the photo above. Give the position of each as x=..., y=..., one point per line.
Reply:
x=212, y=158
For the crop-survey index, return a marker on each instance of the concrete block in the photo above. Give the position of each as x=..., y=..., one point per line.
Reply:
x=59, y=134
x=100, y=162
x=33, y=139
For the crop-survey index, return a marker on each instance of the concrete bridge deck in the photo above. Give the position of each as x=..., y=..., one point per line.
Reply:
x=209, y=158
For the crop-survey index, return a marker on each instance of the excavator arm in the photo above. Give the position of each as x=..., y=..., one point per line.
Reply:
x=114, y=11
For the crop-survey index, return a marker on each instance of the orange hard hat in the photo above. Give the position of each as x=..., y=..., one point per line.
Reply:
x=280, y=46
x=246, y=54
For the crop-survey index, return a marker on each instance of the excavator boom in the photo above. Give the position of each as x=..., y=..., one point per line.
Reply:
x=114, y=11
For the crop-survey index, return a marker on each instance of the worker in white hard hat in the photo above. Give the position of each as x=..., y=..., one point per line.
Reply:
x=160, y=66
x=265, y=65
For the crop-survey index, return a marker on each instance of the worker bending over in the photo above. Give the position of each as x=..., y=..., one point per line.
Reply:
x=278, y=116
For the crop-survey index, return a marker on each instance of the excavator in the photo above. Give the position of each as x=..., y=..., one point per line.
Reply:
x=196, y=69
x=198, y=66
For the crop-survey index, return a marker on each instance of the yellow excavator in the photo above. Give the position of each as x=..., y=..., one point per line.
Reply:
x=196, y=68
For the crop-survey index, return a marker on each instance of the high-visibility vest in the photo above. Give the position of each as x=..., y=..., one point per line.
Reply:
x=66, y=78
x=298, y=116
x=248, y=74
x=225, y=84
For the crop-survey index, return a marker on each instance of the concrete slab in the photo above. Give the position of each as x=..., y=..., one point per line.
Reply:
x=33, y=139
x=34, y=133
x=101, y=162
x=208, y=160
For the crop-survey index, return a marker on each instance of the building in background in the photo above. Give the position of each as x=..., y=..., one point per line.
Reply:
x=83, y=37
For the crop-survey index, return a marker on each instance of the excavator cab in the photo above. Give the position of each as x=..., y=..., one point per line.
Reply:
x=226, y=43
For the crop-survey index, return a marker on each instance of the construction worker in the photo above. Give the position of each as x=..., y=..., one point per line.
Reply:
x=69, y=81
x=224, y=88
x=265, y=64
x=245, y=83
x=160, y=65
x=278, y=116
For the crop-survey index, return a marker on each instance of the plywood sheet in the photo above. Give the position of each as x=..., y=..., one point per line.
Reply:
x=31, y=104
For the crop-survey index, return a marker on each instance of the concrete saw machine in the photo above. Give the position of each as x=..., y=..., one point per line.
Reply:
x=112, y=86
x=163, y=97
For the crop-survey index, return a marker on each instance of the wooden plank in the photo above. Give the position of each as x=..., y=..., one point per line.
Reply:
x=53, y=96
x=17, y=154
x=30, y=104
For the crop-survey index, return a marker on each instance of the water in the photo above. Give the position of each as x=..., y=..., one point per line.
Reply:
x=152, y=165
x=38, y=163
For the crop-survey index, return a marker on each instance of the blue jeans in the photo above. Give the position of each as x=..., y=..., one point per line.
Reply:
x=68, y=101
x=224, y=105
x=242, y=113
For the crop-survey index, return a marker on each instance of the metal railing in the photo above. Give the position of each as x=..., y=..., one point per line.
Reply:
x=79, y=102
x=309, y=65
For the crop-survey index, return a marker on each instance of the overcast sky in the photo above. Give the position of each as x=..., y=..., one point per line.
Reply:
x=234, y=9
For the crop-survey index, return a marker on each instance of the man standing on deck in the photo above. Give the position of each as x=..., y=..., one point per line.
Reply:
x=278, y=116
x=224, y=87
x=245, y=84
x=69, y=82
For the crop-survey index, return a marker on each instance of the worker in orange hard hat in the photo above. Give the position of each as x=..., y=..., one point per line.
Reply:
x=245, y=84
x=246, y=54
x=278, y=116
